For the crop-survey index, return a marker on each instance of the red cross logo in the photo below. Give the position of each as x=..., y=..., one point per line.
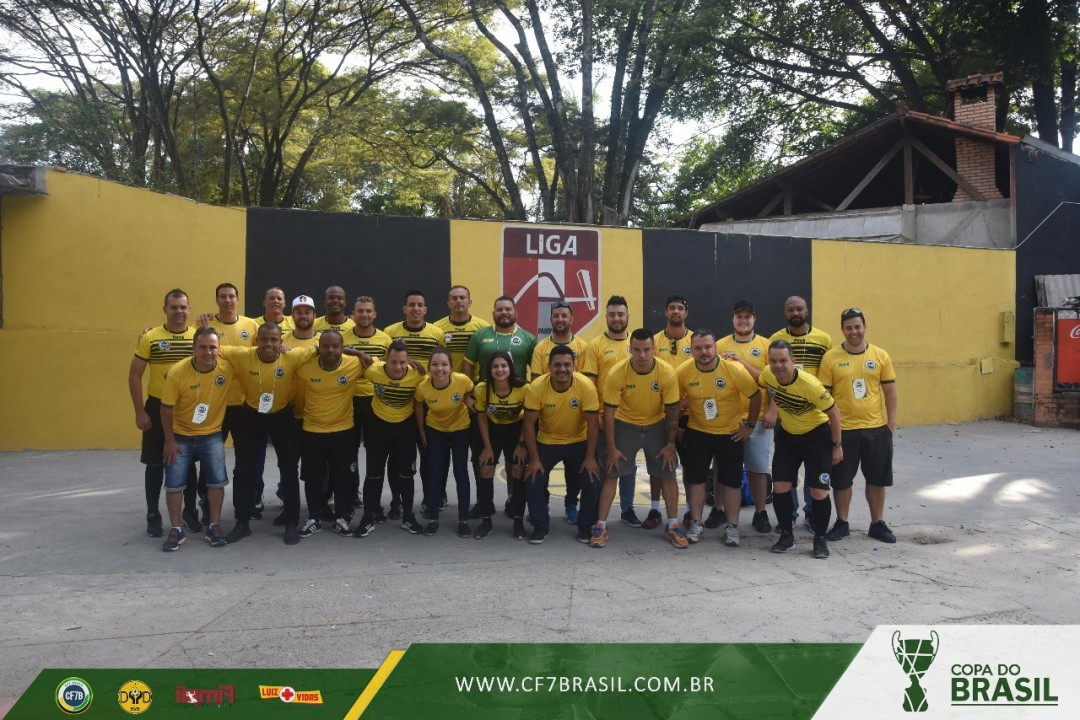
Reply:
x=287, y=694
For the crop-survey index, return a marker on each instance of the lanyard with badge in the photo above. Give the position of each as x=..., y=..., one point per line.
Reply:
x=708, y=405
x=202, y=409
x=266, y=399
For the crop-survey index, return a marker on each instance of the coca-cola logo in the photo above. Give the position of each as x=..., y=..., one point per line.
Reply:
x=1074, y=334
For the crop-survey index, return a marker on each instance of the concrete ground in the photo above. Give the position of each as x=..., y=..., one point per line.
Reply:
x=987, y=515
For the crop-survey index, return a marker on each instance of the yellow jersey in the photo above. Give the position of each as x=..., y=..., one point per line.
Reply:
x=562, y=414
x=257, y=377
x=393, y=399
x=240, y=332
x=754, y=351
x=328, y=394
x=601, y=355
x=186, y=388
x=640, y=398
x=714, y=398
x=500, y=410
x=539, y=364
x=374, y=345
x=802, y=404
x=673, y=352
x=285, y=324
x=855, y=381
x=446, y=408
x=420, y=341
x=321, y=323
x=807, y=350
x=456, y=337
x=161, y=348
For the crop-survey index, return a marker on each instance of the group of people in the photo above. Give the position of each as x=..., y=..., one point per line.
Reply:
x=464, y=395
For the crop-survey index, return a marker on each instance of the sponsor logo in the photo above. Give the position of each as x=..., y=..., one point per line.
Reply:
x=455, y=398
x=655, y=386
x=542, y=266
x=915, y=656
x=574, y=403
x=342, y=379
x=197, y=697
x=135, y=697
x=1074, y=334
x=721, y=383
x=279, y=373
x=871, y=365
x=286, y=694
x=219, y=380
x=74, y=695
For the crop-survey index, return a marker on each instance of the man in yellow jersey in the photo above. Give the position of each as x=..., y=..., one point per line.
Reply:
x=366, y=338
x=335, y=317
x=752, y=350
x=641, y=412
x=158, y=349
x=267, y=377
x=274, y=309
x=420, y=337
x=808, y=435
x=712, y=391
x=327, y=435
x=303, y=332
x=506, y=335
x=673, y=347
x=808, y=346
x=459, y=326
x=603, y=353
x=565, y=406
x=562, y=322
x=391, y=438
x=192, y=411
x=861, y=378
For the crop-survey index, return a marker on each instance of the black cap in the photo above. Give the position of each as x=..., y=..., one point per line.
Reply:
x=678, y=299
x=741, y=305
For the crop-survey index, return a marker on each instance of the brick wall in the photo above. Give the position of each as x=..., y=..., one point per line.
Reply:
x=1051, y=410
x=974, y=159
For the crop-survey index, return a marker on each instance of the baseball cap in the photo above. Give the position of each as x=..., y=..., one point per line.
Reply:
x=743, y=305
x=302, y=300
x=678, y=299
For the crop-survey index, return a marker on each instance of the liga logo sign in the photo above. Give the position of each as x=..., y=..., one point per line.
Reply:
x=543, y=266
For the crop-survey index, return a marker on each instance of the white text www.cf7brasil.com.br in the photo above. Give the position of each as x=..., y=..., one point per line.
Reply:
x=583, y=684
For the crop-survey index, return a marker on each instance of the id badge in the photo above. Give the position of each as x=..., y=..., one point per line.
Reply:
x=710, y=409
x=266, y=401
x=199, y=416
x=858, y=387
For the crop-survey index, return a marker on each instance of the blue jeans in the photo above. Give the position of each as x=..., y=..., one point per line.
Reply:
x=208, y=450
x=438, y=443
x=571, y=456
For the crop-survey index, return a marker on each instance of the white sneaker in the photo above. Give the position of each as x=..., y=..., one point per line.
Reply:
x=341, y=527
x=731, y=536
x=309, y=528
x=695, y=531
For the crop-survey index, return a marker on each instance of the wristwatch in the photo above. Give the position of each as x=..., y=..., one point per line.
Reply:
x=838, y=445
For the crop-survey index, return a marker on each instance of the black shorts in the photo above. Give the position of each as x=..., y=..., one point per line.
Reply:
x=504, y=441
x=393, y=442
x=701, y=448
x=870, y=448
x=812, y=449
x=153, y=440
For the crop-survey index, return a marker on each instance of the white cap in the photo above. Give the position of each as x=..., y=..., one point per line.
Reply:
x=302, y=300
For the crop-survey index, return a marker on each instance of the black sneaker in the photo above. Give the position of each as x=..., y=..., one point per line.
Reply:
x=431, y=528
x=341, y=527
x=880, y=531
x=519, y=531
x=630, y=518
x=292, y=534
x=310, y=527
x=539, y=534
x=409, y=525
x=395, y=512
x=153, y=524
x=584, y=536
x=761, y=522
x=652, y=520
x=239, y=532
x=821, y=547
x=279, y=521
x=484, y=530
x=839, y=530
x=463, y=530
x=175, y=540
x=191, y=519
x=214, y=535
x=378, y=517
x=367, y=524
x=716, y=518
x=785, y=543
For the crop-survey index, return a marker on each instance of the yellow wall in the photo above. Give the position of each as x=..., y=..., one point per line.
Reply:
x=476, y=261
x=937, y=311
x=84, y=269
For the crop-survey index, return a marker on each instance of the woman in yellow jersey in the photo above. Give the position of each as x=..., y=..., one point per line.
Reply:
x=500, y=407
x=442, y=402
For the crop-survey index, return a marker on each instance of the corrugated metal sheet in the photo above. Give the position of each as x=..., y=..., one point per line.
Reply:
x=1054, y=289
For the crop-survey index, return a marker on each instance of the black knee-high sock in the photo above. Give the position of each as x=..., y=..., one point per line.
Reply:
x=821, y=513
x=783, y=507
x=153, y=476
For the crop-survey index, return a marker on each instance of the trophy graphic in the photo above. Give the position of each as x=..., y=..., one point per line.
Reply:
x=915, y=656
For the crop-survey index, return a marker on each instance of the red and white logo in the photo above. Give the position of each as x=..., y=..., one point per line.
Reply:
x=543, y=266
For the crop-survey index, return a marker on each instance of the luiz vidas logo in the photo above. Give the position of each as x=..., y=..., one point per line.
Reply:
x=915, y=656
x=286, y=694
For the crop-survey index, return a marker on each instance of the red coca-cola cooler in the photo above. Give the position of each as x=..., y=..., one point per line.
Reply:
x=1067, y=361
